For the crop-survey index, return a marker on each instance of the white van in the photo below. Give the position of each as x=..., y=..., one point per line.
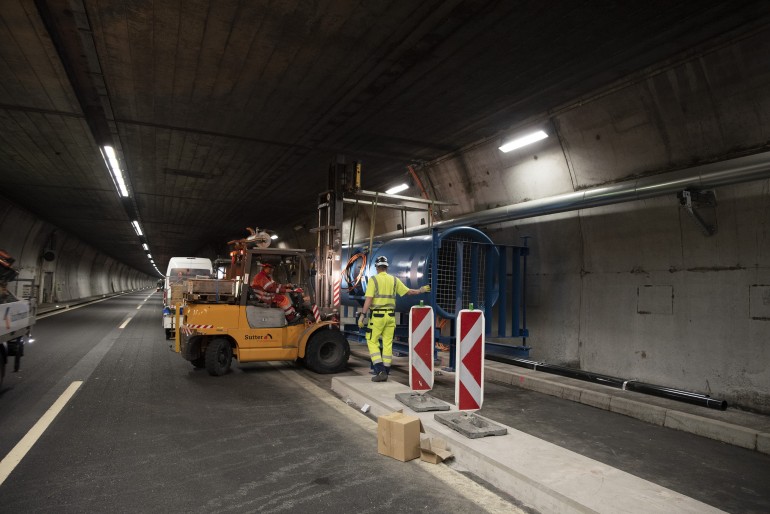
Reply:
x=180, y=270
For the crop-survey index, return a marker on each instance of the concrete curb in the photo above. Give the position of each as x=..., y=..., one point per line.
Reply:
x=538, y=473
x=619, y=402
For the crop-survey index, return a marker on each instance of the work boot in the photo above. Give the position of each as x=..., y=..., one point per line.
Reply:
x=380, y=377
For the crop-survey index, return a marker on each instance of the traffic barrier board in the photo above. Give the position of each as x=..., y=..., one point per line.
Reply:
x=469, y=361
x=421, y=348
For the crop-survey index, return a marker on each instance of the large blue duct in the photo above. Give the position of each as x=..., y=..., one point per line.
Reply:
x=463, y=254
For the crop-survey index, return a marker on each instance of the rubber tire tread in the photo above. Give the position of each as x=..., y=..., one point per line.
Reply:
x=319, y=344
x=214, y=365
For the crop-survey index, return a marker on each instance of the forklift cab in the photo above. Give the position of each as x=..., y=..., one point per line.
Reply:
x=289, y=267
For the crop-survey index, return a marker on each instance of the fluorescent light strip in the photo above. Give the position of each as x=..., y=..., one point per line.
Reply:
x=137, y=228
x=112, y=164
x=144, y=245
x=523, y=141
x=396, y=189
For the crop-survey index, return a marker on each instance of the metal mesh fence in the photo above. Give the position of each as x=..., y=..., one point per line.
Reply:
x=446, y=281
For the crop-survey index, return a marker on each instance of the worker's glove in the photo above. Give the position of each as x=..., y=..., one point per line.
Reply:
x=361, y=320
x=425, y=289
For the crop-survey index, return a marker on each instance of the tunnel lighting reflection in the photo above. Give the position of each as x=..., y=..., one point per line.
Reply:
x=274, y=237
x=137, y=228
x=523, y=141
x=396, y=189
x=111, y=159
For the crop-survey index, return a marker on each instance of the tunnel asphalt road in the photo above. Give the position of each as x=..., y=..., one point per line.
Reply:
x=145, y=432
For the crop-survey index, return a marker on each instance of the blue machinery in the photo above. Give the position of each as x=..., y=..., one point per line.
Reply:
x=465, y=267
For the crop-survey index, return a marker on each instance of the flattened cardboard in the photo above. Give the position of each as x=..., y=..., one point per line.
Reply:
x=398, y=436
x=433, y=450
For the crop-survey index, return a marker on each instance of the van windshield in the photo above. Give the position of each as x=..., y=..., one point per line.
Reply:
x=180, y=274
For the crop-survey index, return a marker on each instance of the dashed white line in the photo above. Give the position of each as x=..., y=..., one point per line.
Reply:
x=125, y=323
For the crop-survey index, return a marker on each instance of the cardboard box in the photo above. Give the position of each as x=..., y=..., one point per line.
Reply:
x=398, y=436
x=433, y=450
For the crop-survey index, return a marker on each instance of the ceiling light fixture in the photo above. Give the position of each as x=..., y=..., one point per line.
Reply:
x=144, y=245
x=274, y=236
x=137, y=228
x=149, y=256
x=396, y=189
x=111, y=159
x=523, y=141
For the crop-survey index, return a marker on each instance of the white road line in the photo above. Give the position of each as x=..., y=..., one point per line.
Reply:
x=125, y=323
x=138, y=307
x=9, y=463
x=67, y=308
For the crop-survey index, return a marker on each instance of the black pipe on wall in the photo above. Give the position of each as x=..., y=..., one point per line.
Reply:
x=701, y=400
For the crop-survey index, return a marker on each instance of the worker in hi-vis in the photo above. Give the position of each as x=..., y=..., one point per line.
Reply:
x=270, y=292
x=381, y=291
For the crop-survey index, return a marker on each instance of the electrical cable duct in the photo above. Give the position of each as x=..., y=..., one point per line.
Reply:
x=627, y=385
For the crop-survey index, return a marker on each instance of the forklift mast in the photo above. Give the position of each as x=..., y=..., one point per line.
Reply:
x=343, y=178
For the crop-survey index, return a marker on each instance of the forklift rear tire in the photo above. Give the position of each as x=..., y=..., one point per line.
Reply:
x=327, y=352
x=218, y=357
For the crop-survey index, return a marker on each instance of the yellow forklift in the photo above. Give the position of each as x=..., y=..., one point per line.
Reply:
x=224, y=319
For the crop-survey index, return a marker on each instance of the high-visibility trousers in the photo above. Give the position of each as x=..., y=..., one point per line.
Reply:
x=381, y=324
x=284, y=303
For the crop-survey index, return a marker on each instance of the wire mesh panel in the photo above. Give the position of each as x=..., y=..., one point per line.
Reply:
x=462, y=259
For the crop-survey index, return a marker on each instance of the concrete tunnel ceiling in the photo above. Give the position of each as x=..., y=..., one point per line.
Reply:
x=227, y=114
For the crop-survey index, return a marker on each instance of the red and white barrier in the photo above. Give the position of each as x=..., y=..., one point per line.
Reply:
x=336, y=292
x=316, y=314
x=421, y=348
x=188, y=329
x=469, y=362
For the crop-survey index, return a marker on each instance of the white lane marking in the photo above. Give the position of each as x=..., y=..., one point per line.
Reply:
x=125, y=323
x=68, y=308
x=9, y=463
x=138, y=307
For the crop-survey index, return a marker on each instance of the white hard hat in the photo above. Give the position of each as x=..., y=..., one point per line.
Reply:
x=381, y=261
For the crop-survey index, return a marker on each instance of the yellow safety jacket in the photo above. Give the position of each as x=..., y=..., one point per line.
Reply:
x=383, y=292
x=382, y=288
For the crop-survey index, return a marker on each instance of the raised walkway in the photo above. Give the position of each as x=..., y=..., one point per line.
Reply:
x=553, y=478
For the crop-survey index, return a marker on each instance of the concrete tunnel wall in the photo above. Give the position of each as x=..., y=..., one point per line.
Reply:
x=636, y=290
x=78, y=270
